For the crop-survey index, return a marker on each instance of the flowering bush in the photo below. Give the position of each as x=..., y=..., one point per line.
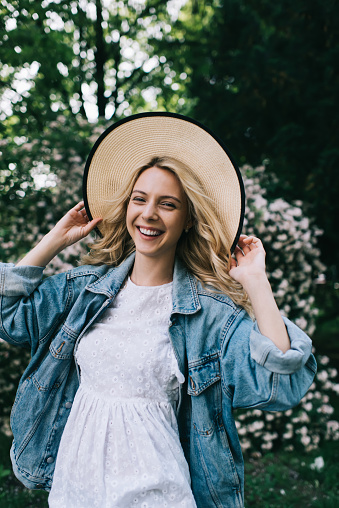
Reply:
x=293, y=263
x=305, y=427
x=41, y=180
x=290, y=241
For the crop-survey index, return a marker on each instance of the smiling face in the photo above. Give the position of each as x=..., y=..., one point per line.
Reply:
x=157, y=214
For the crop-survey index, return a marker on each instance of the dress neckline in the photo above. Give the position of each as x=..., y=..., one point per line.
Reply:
x=161, y=286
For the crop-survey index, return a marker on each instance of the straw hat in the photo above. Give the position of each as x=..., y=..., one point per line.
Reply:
x=135, y=140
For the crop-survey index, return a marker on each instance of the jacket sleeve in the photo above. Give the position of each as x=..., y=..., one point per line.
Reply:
x=30, y=309
x=257, y=374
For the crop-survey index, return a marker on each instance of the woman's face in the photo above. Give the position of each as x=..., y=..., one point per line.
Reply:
x=157, y=213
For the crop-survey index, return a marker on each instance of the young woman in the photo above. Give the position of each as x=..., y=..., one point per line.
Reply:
x=140, y=355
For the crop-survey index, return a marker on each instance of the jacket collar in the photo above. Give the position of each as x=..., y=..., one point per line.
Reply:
x=185, y=295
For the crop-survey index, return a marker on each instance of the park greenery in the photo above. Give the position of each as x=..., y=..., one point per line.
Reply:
x=263, y=76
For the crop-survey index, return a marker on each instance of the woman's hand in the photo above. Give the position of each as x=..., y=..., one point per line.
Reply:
x=248, y=268
x=73, y=226
x=249, y=261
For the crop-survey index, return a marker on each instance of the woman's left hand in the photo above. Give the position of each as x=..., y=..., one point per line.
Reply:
x=248, y=268
x=249, y=261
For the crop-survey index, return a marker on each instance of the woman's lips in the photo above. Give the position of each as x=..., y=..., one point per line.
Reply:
x=149, y=232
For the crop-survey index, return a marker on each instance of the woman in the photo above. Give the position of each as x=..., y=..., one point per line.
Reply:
x=158, y=323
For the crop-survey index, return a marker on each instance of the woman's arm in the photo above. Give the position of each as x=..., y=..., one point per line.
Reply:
x=31, y=308
x=248, y=268
x=74, y=226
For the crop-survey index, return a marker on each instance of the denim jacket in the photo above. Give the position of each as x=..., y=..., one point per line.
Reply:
x=226, y=362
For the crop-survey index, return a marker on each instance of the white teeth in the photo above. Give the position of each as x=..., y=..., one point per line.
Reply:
x=149, y=232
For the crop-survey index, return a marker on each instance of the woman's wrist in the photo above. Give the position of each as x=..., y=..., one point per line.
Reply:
x=49, y=247
x=255, y=284
x=266, y=311
x=54, y=242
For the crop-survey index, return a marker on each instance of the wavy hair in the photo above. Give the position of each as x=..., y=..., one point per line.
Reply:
x=204, y=249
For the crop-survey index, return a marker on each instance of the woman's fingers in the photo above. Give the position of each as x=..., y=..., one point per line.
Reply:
x=233, y=263
x=76, y=223
x=248, y=260
x=246, y=249
x=238, y=254
x=248, y=243
x=79, y=206
x=91, y=225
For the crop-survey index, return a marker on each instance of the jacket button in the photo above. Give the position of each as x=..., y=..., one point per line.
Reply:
x=49, y=460
x=39, y=486
x=68, y=405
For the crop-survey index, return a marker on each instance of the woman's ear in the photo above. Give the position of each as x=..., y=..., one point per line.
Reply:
x=188, y=225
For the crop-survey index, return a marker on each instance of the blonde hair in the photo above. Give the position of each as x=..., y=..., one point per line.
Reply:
x=204, y=249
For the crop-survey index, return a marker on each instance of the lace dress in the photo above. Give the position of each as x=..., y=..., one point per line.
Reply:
x=120, y=447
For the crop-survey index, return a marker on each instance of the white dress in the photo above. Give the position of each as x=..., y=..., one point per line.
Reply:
x=120, y=447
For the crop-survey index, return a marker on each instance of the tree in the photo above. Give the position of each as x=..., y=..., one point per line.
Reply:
x=83, y=57
x=264, y=76
x=63, y=64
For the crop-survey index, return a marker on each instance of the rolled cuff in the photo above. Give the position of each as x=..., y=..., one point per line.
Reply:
x=19, y=280
x=267, y=354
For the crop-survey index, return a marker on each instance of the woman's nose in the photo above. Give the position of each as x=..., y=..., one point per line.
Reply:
x=150, y=212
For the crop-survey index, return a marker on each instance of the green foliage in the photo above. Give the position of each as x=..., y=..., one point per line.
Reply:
x=290, y=240
x=42, y=181
x=292, y=480
x=4, y=472
x=264, y=76
x=12, y=493
x=89, y=59
x=12, y=364
x=305, y=428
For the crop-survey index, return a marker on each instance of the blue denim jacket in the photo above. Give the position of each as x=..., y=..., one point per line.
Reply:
x=227, y=364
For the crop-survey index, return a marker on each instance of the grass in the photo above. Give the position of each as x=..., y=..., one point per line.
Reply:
x=12, y=493
x=286, y=480
x=18, y=498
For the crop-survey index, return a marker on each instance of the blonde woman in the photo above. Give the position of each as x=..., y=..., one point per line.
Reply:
x=140, y=355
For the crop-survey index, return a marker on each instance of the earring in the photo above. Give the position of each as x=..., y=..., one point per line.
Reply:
x=187, y=229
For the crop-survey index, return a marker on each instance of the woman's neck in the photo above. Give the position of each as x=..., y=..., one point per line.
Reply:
x=148, y=271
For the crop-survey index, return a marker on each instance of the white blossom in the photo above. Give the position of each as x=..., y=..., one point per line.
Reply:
x=318, y=464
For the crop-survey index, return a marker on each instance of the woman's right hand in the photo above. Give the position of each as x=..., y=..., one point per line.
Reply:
x=74, y=226
x=71, y=228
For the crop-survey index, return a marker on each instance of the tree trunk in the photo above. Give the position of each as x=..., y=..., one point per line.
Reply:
x=100, y=59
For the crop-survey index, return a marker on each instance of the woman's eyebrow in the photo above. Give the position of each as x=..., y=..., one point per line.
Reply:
x=161, y=197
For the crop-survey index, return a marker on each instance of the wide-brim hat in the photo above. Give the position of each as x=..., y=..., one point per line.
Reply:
x=134, y=141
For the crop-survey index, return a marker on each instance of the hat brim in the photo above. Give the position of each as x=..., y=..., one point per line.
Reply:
x=134, y=141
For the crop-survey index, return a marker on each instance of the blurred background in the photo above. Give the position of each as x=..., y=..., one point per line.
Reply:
x=264, y=77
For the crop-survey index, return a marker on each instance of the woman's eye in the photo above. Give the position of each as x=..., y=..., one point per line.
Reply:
x=138, y=199
x=169, y=204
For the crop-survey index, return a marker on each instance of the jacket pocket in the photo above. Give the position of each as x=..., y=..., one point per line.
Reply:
x=204, y=386
x=203, y=374
x=55, y=365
